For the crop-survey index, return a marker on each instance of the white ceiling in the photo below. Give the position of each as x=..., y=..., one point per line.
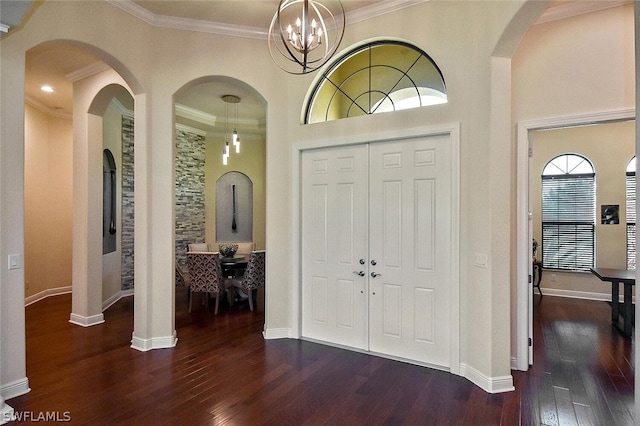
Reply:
x=58, y=65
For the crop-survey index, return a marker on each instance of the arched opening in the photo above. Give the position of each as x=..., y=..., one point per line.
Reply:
x=72, y=221
x=205, y=125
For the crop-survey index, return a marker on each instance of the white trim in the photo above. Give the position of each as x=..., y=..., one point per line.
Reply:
x=145, y=345
x=523, y=259
x=86, y=321
x=379, y=9
x=46, y=293
x=585, y=295
x=490, y=384
x=450, y=129
x=113, y=299
x=4, y=28
x=15, y=388
x=121, y=108
x=91, y=69
x=195, y=114
x=277, y=333
x=575, y=8
x=6, y=412
x=174, y=22
x=45, y=109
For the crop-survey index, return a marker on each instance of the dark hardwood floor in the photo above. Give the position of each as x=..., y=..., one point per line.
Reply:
x=222, y=371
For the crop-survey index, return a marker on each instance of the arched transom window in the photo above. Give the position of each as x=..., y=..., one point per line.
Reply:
x=376, y=77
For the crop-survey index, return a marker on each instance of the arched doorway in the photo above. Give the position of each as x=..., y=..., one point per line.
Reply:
x=205, y=124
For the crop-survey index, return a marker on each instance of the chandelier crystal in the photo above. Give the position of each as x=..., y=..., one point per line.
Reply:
x=304, y=34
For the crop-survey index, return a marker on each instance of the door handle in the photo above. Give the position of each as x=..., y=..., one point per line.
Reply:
x=373, y=275
x=359, y=273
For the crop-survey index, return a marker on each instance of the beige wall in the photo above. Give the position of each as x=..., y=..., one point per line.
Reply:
x=47, y=196
x=609, y=147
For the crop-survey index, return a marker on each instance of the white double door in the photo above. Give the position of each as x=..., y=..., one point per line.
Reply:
x=376, y=247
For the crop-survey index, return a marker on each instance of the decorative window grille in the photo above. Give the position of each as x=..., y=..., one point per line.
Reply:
x=631, y=214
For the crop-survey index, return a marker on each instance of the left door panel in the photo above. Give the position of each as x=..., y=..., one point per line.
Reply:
x=335, y=245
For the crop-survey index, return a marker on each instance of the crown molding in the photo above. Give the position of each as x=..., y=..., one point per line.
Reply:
x=362, y=14
x=88, y=71
x=188, y=24
x=195, y=114
x=4, y=28
x=576, y=8
x=45, y=109
x=121, y=108
x=379, y=9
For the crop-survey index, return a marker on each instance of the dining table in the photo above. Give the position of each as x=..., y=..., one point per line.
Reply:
x=234, y=266
x=617, y=277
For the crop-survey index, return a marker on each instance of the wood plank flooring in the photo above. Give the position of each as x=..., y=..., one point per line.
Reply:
x=223, y=372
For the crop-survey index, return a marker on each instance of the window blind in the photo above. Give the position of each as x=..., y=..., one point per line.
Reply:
x=568, y=221
x=631, y=220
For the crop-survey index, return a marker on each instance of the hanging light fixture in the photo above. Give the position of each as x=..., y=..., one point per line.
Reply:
x=235, y=139
x=304, y=34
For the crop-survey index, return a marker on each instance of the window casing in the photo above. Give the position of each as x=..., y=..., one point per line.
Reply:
x=568, y=213
x=631, y=214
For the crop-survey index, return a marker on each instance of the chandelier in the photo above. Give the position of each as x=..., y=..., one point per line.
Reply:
x=304, y=34
x=235, y=139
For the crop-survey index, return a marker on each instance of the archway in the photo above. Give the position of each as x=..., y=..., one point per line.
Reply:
x=204, y=124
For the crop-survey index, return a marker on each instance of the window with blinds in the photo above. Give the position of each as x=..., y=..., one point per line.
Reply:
x=568, y=213
x=631, y=214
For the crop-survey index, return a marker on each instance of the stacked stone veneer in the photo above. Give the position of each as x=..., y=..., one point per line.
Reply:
x=127, y=203
x=189, y=168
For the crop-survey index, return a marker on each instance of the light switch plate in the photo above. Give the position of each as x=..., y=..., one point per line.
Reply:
x=14, y=261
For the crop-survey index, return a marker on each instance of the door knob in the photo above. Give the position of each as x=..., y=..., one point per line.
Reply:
x=373, y=262
x=359, y=273
x=373, y=275
x=362, y=261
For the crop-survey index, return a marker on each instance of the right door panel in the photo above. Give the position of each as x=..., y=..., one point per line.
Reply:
x=410, y=249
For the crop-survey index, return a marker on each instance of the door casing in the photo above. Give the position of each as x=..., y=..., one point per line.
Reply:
x=450, y=129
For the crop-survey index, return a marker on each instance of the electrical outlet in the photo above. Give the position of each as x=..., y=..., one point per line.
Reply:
x=480, y=260
x=553, y=278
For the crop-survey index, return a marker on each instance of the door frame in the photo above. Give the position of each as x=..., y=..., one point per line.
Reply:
x=452, y=130
x=524, y=298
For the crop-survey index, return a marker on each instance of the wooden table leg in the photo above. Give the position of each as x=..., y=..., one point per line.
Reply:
x=628, y=309
x=615, y=297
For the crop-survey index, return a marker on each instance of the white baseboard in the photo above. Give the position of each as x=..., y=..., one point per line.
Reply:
x=6, y=414
x=113, y=299
x=86, y=321
x=276, y=333
x=46, y=293
x=604, y=297
x=489, y=384
x=145, y=345
x=15, y=388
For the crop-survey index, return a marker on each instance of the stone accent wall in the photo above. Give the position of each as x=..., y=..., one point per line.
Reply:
x=189, y=168
x=127, y=203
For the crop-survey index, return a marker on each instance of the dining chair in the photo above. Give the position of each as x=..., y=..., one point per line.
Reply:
x=206, y=275
x=200, y=247
x=183, y=278
x=253, y=276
